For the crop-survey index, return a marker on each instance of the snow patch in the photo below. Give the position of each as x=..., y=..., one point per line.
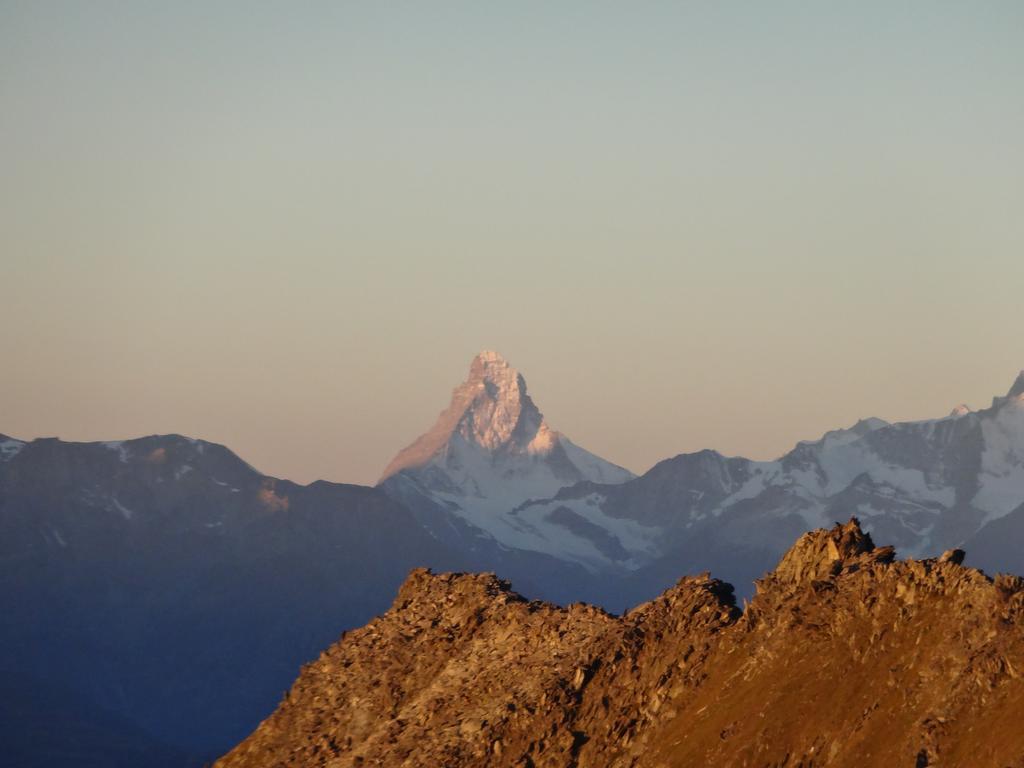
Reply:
x=125, y=512
x=120, y=448
x=10, y=448
x=530, y=528
x=592, y=467
x=1001, y=479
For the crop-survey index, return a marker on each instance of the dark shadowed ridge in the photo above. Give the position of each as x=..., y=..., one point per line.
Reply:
x=160, y=593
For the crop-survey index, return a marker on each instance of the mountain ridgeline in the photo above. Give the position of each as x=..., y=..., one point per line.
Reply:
x=926, y=486
x=160, y=594
x=843, y=658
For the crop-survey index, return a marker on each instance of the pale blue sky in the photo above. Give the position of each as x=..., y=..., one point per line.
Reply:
x=288, y=227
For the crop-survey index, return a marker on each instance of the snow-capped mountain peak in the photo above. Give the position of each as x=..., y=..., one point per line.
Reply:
x=493, y=414
x=490, y=451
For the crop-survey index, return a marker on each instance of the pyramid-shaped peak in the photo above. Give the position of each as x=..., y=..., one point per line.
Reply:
x=492, y=435
x=490, y=410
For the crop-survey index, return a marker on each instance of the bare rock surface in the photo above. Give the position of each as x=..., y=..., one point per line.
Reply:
x=845, y=657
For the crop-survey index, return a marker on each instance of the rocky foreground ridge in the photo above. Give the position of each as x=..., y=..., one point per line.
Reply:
x=845, y=657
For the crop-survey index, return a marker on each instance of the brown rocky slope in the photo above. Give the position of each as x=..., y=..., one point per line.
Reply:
x=844, y=657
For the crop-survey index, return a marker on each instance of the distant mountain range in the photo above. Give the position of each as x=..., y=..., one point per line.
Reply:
x=482, y=481
x=159, y=594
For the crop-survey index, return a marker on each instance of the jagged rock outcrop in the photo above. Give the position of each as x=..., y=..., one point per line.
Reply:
x=814, y=556
x=844, y=657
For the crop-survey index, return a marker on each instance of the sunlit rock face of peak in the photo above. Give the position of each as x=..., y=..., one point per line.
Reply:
x=496, y=411
x=492, y=413
x=490, y=410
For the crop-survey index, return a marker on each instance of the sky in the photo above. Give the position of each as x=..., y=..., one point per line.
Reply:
x=288, y=227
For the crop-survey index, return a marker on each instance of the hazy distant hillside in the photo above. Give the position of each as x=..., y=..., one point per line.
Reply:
x=162, y=589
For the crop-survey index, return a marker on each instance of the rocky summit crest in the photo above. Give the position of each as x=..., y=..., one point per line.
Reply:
x=497, y=412
x=490, y=410
x=845, y=657
x=492, y=443
x=824, y=553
